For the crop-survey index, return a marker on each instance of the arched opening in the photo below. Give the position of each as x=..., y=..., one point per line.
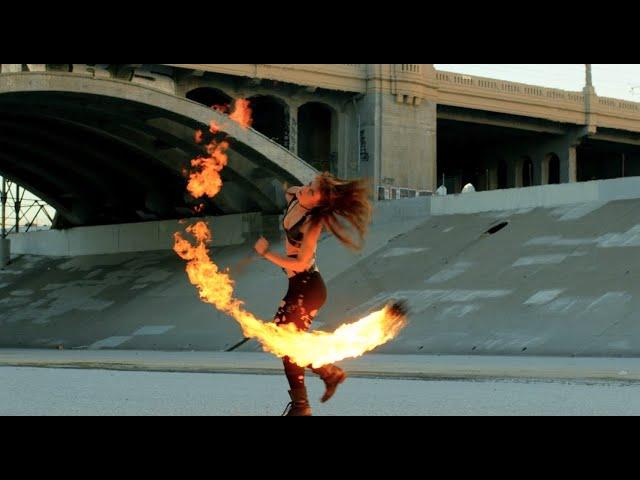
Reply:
x=601, y=160
x=314, y=136
x=23, y=211
x=631, y=165
x=271, y=118
x=502, y=174
x=209, y=97
x=527, y=172
x=130, y=165
x=553, y=166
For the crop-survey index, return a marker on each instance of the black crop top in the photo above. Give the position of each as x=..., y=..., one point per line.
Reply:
x=294, y=235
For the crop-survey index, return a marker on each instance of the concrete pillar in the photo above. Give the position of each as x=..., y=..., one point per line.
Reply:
x=567, y=165
x=400, y=141
x=514, y=166
x=536, y=179
x=334, y=150
x=5, y=250
x=293, y=128
x=37, y=67
x=10, y=67
x=344, y=152
x=371, y=143
x=572, y=164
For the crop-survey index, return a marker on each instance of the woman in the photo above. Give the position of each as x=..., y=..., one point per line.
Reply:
x=312, y=208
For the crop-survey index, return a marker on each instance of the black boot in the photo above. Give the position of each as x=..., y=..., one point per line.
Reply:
x=332, y=377
x=299, y=404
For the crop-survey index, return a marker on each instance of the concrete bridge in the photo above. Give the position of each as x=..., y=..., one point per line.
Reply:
x=105, y=151
x=414, y=125
x=105, y=144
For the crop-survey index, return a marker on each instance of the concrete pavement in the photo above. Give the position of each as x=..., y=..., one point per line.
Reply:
x=368, y=366
x=55, y=391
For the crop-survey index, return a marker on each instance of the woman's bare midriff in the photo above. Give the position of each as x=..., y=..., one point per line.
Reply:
x=291, y=250
x=293, y=216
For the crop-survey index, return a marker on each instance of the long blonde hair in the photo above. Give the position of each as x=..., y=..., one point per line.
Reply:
x=347, y=199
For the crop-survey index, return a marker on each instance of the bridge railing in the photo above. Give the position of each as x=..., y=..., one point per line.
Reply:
x=616, y=104
x=450, y=88
x=346, y=77
x=446, y=79
x=618, y=114
x=510, y=97
x=560, y=105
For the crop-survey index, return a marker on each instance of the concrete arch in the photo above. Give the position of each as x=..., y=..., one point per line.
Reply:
x=524, y=171
x=271, y=117
x=209, y=96
x=318, y=135
x=120, y=148
x=502, y=174
x=551, y=169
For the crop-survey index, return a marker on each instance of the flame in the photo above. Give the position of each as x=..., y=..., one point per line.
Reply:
x=242, y=113
x=206, y=179
x=214, y=127
x=315, y=348
x=221, y=108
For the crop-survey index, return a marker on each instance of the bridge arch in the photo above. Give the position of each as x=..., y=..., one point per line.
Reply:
x=318, y=135
x=551, y=169
x=271, y=117
x=503, y=174
x=524, y=172
x=108, y=151
x=209, y=96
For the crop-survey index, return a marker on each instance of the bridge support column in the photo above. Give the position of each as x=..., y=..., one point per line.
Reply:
x=5, y=251
x=398, y=145
x=572, y=164
x=293, y=129
x=342, y=150
x=568, y=163
x=513, y=171
x=540, y=177
x=10, y=68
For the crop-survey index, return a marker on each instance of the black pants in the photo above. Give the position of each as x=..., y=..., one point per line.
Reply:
x=307, y=293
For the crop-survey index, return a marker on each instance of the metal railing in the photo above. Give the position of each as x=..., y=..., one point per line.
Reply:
x=20, y=211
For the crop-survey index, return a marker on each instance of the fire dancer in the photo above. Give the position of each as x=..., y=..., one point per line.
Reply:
x=311, y=208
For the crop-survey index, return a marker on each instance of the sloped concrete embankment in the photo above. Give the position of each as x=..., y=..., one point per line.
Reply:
x=122, y=287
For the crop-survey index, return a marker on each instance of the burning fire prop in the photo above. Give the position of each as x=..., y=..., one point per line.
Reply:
x=314, y=348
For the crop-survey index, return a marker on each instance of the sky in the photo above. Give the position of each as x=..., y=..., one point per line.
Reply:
x=610, y=80
x=27, y=201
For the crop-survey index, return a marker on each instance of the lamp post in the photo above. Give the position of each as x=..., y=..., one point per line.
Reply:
x=3, y=199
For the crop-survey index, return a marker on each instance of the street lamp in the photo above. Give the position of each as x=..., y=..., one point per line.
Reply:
x=3, y=200
x=588, y=72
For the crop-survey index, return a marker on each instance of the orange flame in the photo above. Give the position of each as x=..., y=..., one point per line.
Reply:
x=206, y=180
x=242, y=113
x=221, y=108
x=315, y=348
x=213, y=127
